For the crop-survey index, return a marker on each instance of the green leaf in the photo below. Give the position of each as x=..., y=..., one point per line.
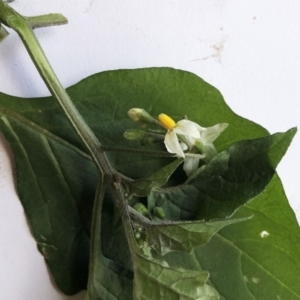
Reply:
x=230, y=180
x=57, y=183
x=259, y=259
x=156, y=280
x=184, y=236
x=104, y=99
x=107, y=279
x=54, y=198
x=144, y=186
x=111, y=281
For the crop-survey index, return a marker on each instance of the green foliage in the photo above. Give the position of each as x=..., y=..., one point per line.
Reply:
x=156, y=280
x=111, y=281
x=56, y=181
x=231, y=179
x=56, y=202
x=184, y=236
x=144, y=186
x=257, y=259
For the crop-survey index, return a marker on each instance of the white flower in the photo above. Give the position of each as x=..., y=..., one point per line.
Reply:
x=188, y=135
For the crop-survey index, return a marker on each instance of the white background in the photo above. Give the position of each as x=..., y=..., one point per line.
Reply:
x=249, y=50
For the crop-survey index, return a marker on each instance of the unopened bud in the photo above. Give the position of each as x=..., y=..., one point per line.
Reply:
x=159, y=212
x=142, y=209
x=134, y=134
x=135, y=113
x=141, y=116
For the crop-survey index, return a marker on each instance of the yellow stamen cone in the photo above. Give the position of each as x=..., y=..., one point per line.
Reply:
x=166, y=121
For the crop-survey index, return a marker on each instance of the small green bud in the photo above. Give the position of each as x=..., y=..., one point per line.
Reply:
x=141, y=116
x=135, y=114
x=159, y=212
x=134, y=134
x=142, y=209
x=145, y=138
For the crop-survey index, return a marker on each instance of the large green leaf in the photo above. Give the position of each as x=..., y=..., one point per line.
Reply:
x=111, y=281
x=231, y=179
x=259, y=259
x=157, y=280
x=104, y=99
x=56, y=181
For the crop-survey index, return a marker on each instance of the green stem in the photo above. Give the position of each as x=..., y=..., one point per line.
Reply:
x=46, y=20
x=138, y=151
x=23, y=26
x=95, y=248
x=3, y=33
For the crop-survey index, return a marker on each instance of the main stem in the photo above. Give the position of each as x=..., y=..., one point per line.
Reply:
x=23, y=26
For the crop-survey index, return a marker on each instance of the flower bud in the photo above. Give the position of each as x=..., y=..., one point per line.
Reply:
x=142, y=209
x=159, y=212
x=145, y=138
x=135, y=113
x=137, y=235
x=134, y=134
x=141, y=116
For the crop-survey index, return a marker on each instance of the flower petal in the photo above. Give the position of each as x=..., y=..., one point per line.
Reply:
x=209, y=134
x=183, y=146
x=172, y=143
x=210, y=152
x=190, y=165
x=188, y=128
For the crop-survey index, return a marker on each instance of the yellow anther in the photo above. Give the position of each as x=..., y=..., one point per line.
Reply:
x=166, y=121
